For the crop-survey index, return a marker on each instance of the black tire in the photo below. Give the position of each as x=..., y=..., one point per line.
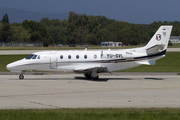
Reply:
x=88, y=76
x=95, y=78
x=21, y=77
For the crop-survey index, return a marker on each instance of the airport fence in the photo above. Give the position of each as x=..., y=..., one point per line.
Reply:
x=21, y=44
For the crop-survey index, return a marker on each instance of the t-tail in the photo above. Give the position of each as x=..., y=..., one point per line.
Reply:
x=160, y=40
x=157, y=46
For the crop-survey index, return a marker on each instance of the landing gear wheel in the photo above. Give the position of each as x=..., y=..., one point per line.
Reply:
x=88, y=76
x=95, y=78
x=21, y=77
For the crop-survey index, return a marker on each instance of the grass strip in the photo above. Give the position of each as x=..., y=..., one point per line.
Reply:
x=6, y=59
x=92, y=114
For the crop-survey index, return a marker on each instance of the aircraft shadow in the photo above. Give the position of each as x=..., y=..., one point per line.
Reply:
x=76, y=78
x=101, y=79
x=42, y=79
x=154, y=78
x=85, y=79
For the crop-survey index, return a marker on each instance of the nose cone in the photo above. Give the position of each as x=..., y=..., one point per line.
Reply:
x=14, y=66
x=10, y=66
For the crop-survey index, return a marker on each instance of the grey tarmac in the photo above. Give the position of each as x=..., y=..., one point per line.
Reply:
x=110, y=91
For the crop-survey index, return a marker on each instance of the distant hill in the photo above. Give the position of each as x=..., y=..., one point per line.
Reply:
x=18, y=16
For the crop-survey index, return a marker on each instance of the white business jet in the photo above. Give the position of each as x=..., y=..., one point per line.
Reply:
x=90, y=63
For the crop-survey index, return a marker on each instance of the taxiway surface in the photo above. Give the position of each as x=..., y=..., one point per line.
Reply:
x=110, y=91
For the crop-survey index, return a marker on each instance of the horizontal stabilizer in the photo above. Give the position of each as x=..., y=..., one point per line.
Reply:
x=147, y=62
x=155, y=49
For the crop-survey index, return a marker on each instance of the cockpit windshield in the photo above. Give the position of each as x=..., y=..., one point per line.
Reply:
x=32, y=56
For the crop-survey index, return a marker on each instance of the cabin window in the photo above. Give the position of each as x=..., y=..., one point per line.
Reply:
x=77, y=56
x=61, y=56
x=69, y=56
x=95, y=56
x=85, y=56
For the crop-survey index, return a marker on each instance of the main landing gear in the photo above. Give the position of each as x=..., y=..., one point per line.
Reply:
x=95, y=78
x=91, y=76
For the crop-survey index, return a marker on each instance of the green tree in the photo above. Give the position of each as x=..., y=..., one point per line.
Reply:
x=35, y=37
x=33, y=26
x=130, y=35
x=93, y=25
x=175, y=30
x=114, y=31
x=72, y=19
x=92, y=39
x=37, y=30
x=19, y=33
x=5, y=19
x=6, y=33
x=81, y=27
x=45, y=21
x=56, y=30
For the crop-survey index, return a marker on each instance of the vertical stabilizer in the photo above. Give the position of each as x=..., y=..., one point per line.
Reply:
x=160, y=40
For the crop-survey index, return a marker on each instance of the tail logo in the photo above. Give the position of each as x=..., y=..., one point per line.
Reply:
x=158, y=37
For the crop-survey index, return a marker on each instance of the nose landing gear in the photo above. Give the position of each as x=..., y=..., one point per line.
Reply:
x=21, y=76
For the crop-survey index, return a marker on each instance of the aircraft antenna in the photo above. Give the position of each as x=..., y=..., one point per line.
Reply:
x=86, y=47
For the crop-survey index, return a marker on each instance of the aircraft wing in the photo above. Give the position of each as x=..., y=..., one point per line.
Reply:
x=99, y=69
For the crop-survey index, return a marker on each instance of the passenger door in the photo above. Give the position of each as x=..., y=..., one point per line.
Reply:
x=53, y=61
